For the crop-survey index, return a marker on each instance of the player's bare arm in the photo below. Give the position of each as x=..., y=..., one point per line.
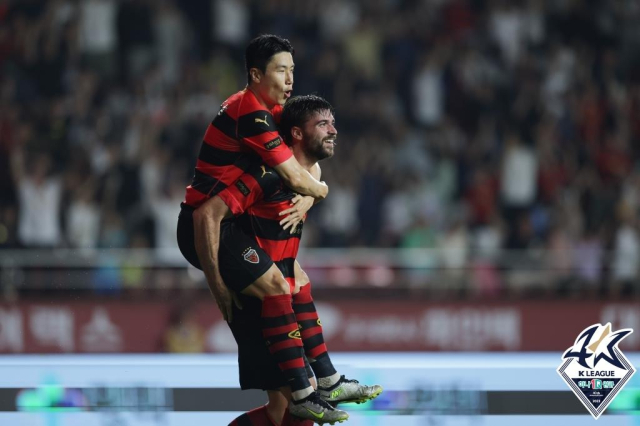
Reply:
x=206, y=223
x=300, y=180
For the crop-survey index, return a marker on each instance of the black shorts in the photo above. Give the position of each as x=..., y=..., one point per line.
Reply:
x=258, y=369
x=241, y=260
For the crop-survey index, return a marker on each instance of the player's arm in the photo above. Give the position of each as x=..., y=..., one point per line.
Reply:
x=259, y=132
x=300, y=180
x=206, y=227
x=233, y=200
x=300, y=205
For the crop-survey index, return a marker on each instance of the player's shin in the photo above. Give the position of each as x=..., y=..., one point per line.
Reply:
x=312, y=337
x=281, y=334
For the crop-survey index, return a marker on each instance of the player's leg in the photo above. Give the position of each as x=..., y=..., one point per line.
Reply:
x=280, y=328
x=249, y=270
x=311, y=330
x=259, y=370
x=332, y=387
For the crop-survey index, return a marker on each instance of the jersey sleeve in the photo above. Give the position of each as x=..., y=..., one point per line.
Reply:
x=259, y=132
x=259, y=182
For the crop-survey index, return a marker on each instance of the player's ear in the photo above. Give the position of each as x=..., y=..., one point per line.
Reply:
x=296, y=134
x=256, y=75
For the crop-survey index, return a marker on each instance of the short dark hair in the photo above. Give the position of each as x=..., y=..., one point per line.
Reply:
x=298, y=110
x=261, y=49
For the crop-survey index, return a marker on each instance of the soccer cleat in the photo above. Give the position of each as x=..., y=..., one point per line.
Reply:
x=349, y=391
x=315, y=409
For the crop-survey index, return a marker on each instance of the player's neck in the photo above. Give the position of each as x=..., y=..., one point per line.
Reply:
x=261, y=101
x=305, y=161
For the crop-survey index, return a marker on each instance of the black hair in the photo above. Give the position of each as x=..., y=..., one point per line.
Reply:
x=261, y=49
x=298, y=110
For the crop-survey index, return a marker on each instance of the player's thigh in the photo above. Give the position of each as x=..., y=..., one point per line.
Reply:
x=241, y=261
x=271, y=283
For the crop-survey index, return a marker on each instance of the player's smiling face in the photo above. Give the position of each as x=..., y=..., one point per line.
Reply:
x=276, y=83
x=320, y=135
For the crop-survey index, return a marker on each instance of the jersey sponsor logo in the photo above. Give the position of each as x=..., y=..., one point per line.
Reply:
x=264, y=171
x=274, y=143
x=250, y=255
x=262, y=120
x=242, y=187
x=595, y=368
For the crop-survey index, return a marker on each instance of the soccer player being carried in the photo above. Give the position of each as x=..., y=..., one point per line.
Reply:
x=280, y=313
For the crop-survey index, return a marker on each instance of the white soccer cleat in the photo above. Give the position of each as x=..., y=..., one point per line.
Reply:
x=346, y=390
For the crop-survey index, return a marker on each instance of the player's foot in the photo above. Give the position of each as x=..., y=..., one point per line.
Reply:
x=349, y=391
x=315, y=409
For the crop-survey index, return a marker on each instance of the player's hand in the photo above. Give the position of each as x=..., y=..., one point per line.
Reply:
x=300, y=205
x=225, y=299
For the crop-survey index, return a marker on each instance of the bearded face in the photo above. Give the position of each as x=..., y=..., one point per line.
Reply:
x=320, y=135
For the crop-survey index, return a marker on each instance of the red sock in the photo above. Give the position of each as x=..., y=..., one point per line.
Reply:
x=289, y=420
x=280, y=331
x=311, y=332
x=256, y=417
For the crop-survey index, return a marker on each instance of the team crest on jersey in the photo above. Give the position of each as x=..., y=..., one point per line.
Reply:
x=250, y=255
x=595, y=368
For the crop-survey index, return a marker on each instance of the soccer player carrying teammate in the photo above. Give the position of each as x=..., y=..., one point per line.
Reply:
x=247, y=119
x=256, y=199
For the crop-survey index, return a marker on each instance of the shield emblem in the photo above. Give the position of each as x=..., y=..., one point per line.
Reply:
x=251, y=256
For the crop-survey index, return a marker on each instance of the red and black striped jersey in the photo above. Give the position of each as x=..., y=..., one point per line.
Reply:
x=256, y=199
x=241, y=129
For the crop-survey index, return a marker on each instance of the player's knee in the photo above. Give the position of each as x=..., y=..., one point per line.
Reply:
x=274, y=284
x=302, y=279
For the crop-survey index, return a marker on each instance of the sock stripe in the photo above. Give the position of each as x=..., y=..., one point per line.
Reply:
x=282, y=320
x=317, y=351
x=291, y=364
x=282, y=335
x=288, y=354
x=306, y=325
x=275, y=306
x=310, y=332
x=306, y=307
x=285, y=329
x=305, y=316
x=313, y=341
x=285, y=344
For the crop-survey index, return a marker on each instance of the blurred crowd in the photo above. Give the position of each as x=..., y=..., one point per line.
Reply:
x=466, y=126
